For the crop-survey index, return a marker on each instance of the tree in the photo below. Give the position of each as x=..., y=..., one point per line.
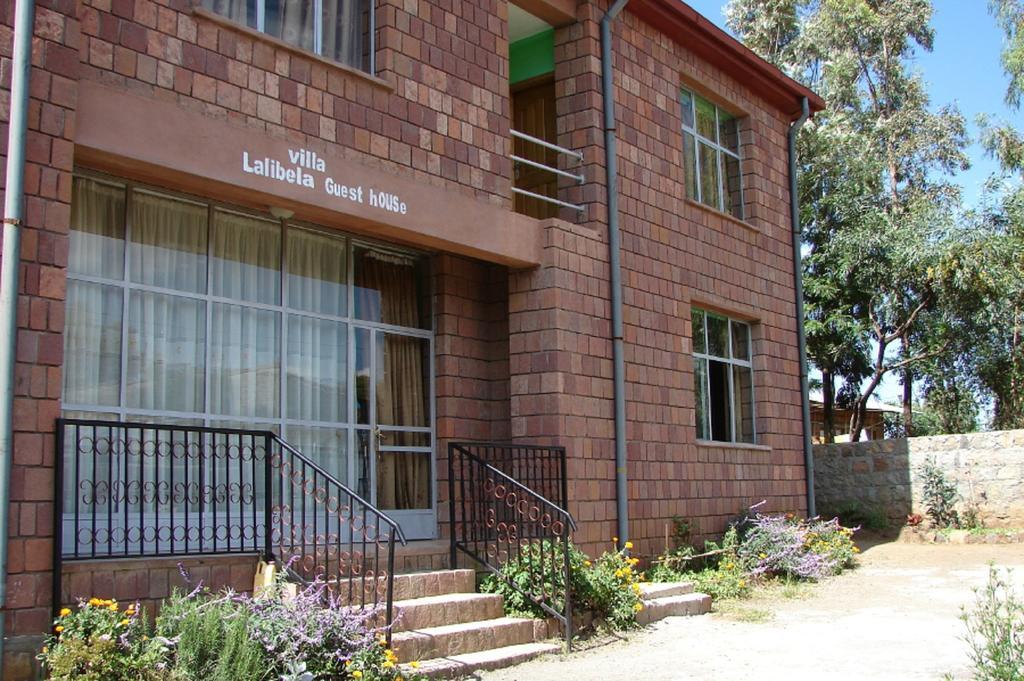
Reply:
x=872, y=182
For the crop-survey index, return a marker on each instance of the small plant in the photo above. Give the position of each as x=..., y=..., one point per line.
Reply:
x=607, y=586
x=100, y=641
x=939, y=495
x=914, y=519
x=805, y=549
x=995, y=630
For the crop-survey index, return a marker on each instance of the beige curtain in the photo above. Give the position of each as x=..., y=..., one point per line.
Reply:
x=387, y=287
x=245, y=258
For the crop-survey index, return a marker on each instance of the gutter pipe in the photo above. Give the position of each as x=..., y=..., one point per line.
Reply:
x=21, y=59
x=798, y=280
x=615, y=278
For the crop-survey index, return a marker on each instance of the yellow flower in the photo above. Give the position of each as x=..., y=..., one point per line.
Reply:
x=586, y=563
x=357, y=674
x=414, y=664
x=388, y=664
x=856, y=550
x=638, y=607
x=742, y=583
x=629, y=545
x=348, y=663
x=636, y=588
x=762, y=556
x=58, y=628
x=729, y=566
x=615, y=539
x=95, y=601
x=64, y=612
x=125, y=623
x=112, y=607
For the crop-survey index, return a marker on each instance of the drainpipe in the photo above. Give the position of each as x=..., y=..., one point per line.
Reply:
x=798, y=280
x=21, y=60
x=612, y=182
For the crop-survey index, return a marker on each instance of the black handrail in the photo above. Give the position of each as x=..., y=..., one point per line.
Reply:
x=132, y=489
x=496, y=518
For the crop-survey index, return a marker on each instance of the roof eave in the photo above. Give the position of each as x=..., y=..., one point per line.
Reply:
x=689, y=28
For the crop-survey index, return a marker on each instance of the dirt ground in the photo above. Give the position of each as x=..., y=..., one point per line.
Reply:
x=894, y=617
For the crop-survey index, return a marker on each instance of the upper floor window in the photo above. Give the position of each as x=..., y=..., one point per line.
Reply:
x=723, y=378
x=335, y=29
x=711, y=152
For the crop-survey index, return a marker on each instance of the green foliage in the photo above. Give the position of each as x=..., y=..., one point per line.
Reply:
x=995, y=630
x=102, y=642
x=607, y=586
x=939, y=494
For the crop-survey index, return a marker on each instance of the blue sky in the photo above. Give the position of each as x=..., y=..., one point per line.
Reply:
x=963, y=69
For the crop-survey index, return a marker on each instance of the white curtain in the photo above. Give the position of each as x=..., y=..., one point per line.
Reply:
x=317, y=272
x=97, y=229
x=92, y=344
x=168, y=243
x=244, y=361
x=166, y=350
x=246, y=258
x=317, y=368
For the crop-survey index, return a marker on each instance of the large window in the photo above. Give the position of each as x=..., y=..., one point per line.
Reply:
x=723, y=378
x=183, y=311
x=711, y=152
x=336, y=29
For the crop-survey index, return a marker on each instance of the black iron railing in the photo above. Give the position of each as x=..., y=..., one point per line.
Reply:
x=498, y=518
x=128, y=490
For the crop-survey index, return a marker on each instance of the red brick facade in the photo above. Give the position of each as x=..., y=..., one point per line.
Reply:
x=521, y=353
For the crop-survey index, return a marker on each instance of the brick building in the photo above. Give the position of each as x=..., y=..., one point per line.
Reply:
x=300, y=217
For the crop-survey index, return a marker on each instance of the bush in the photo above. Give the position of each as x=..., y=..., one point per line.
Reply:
x=787, y=546
x=939, y=494
x=607, y=586
x=995, y=631
x=202, y=636
x=100, y=642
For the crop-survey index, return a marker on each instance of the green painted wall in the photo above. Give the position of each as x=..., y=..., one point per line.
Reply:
x=532, y=57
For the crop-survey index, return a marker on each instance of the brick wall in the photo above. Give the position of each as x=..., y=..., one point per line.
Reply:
x=675, y=254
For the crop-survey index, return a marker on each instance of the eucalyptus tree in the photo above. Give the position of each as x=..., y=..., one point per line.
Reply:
x=873, y=181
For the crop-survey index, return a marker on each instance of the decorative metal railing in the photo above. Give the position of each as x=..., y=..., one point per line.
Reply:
x=149, y=489
x=537, y=144
x=498, y=518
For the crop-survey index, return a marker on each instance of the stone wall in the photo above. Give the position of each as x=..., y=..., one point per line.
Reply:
x=885, y=474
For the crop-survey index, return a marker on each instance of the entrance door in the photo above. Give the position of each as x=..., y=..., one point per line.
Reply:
x=533, y=113
x=393, y=432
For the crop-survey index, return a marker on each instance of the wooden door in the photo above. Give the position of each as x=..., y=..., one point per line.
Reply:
x=533, y=113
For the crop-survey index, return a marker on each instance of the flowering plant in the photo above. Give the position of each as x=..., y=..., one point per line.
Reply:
x=99, y=640
x=805, y=549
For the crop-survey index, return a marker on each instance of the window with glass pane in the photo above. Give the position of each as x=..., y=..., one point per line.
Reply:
x=723, y=378
x=711, y=152
x=337, y=29
x=184, y=312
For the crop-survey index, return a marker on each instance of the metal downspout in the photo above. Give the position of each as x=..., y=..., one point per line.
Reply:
x=798, y=279
x=21, y=59
x=612, y=182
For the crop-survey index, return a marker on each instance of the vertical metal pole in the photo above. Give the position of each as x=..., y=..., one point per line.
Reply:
x=58, y=515
x=21, y=63
x=391, y=580
x=451, y=507
x=568, y=590
x=268, y=500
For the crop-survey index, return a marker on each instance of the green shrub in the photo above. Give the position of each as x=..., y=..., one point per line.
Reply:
x=607, y=586
x=853, y=514
x=101, y=642
x=939, y=494
x=995, y=631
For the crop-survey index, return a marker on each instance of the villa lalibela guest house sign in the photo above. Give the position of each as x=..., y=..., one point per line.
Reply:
x=305, y=168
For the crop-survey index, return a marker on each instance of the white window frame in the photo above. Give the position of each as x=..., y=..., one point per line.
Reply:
x=729, y=361
x=698, y=139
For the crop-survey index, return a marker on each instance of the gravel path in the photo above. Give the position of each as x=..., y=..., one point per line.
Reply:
x=893, y=618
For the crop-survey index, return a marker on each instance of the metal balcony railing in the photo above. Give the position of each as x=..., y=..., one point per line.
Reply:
x=558, y=172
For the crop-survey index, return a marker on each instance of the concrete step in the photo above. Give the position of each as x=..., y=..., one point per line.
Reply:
x=458, y=666
x=466, y=637
x=435, y=583
x=652, y=590
x=669, y=606
x=451, y=608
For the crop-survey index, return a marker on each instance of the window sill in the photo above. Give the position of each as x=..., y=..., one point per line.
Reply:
x=224, y=22
x=715, y=444
x=725, y=216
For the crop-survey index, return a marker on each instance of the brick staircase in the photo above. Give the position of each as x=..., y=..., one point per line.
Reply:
x=452, y=631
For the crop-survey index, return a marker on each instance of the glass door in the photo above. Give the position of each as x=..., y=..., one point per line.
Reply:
x=394, y=439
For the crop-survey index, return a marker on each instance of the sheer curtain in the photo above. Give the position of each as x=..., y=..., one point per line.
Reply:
x=387, y=291
x=246, y=258
x=242, y=11
x=345, y=25
x=291, y=21
x=168, y=243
